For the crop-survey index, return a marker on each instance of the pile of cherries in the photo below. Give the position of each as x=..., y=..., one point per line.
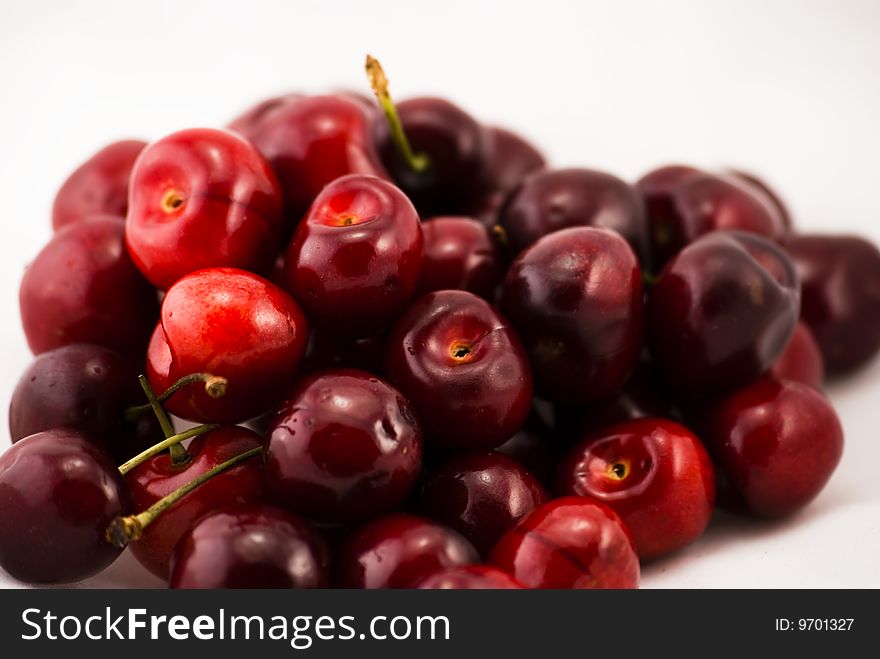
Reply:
x=458, y=367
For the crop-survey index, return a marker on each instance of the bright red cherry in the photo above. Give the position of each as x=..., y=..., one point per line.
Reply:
x=481, y=495
x=345, y=446
x=99, y=186
x=202, y=198
x=575, y=297
x=355, y=259
x=572, y=542
x=83, y=288
x=470, y=577
x=159, y=476
x=233, y=324
x=400, y=551
x=255, y=546
x=463, y=368
x=654, y=473
x=802, y=359
x=58, y=493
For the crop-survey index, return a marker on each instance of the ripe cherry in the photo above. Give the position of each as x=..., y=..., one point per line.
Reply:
x=255, y=546
x=355, y=259
x=463, y=368
x=83, y=288
x=572, y=542
x=470, y=577
x=652, y=472
x=232, y=324
x=575, y=297
x=760, y=186
x=248, y=121
x=801, y=360
x=60, y=491
x=345, y=446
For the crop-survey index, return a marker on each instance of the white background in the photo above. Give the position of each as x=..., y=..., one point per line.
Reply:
x=790, y=89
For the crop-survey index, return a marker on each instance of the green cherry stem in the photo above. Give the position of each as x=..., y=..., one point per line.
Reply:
x=166, y=444
x=215, y=387
x=178, y=452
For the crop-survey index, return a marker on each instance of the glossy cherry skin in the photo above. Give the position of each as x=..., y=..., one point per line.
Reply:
x=558, y=199
x=463, y=368
x=250, y=546
x=572, y=542
x=459, y=255
x=58, y=493
x=86, y=388
x=654, y=473
x=535, y=447
x=775, y=446
x=355, y=260
x=840, y=293
x=576, y=299
x=722, y=312
x=159, y=476
x=345, y=446
x=83, y=288
x=760, y=186
x=202, y=198
x=230, y=323
x=481, y=495
x=99, y=186
x=470, y=577
x=248, y=121
x=801, y=360
x=400, y=551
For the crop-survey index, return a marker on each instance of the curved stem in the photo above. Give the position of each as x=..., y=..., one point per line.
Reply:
x=178, y=452
x=215, y=387
x=166, y=444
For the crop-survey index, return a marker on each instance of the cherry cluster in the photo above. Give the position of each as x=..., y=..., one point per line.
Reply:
x=417, y=356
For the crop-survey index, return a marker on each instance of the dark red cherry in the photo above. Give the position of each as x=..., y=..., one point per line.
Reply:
x=463, y=368
x=87, y=388
x=355, y=259
x=801, y=360
x=400, y=551
x=572, y=542
x=248, y=121
x=255, y=546
x=535, y=447
x=760, y=186
x=840, y=297
x=722, y=312
x=558, y=199
x=652, y=472
x=58, y=493
x=99, y=186
x=775, y=446
x=83, y=288
x=159, y=476
x=345, y=446
x=480, y=495
x=470, y=577
x=233, y=324
x=459, y=255
x=202, y=198
x=575, y=297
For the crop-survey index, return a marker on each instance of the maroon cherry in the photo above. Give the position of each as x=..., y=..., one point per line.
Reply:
x=572, y=542
x=480, y=495
x=58, y=493
x=760, y=186
x=345, y=446
x=99, y=186
x=470, y=577
x=400, y=551
x=463, y=368
x=802, y=359
x=775, y=445
x=255, y=546
x=654, y=473
x=535, y=447
x=576, y=299
x=355, y=259
x=83, y=288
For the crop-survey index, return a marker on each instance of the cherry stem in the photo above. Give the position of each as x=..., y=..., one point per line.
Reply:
x=178, y=452
x=418, y=162
x=124, y=530
x=215, y=387
x=166, y=444
x=499, y=235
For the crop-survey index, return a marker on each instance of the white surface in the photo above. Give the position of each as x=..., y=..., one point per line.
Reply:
x=786, y=88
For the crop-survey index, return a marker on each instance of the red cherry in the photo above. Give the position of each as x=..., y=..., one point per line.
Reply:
x=246, y=123
x=572, y=542
x=355, y=259
x=654, y=473
x=202, y=198
x=83, y=288
x=99, y=186
x=400, y=551
x=470, y=577
x=462, y=367
x=233, y=324
x=760, y=186
x=775, y=445
x=159, y=476
x=802, y=359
